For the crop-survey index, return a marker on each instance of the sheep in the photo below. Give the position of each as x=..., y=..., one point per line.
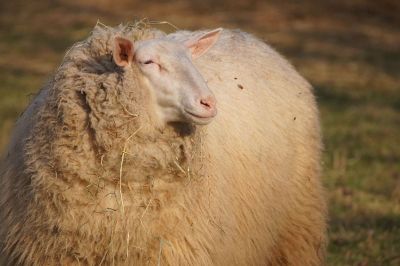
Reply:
x=193, y=148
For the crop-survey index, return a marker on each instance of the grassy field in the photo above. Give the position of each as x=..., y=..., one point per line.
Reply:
x=349, y=51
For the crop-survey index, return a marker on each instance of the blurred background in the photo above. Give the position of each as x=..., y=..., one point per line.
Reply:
x=349, y=50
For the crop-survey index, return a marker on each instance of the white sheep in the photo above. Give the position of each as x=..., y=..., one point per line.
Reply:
x=122, y=158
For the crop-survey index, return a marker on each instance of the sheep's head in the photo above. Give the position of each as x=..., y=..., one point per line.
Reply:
x=167, y=69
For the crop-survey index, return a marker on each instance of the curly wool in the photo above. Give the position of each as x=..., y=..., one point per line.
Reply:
x=81, y=159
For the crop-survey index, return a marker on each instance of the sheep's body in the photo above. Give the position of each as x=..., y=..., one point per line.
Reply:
x=244, y=190
x=268, y=124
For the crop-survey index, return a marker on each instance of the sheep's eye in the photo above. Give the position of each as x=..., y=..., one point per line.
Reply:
x=148, y=62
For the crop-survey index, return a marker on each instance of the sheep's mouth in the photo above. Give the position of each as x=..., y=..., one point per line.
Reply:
x=199, y=118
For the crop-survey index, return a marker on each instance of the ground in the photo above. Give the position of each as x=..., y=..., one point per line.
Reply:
x=348, y=50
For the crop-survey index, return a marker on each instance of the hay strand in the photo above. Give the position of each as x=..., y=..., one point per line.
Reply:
x=121, y=168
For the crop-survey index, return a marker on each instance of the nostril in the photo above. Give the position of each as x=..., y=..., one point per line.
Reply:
x=205, y=103
x=208, y=102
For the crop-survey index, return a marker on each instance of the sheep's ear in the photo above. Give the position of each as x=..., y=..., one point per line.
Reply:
x=122, y=51
x=200, y=44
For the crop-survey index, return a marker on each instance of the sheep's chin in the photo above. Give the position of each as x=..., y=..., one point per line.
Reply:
x=196, y=119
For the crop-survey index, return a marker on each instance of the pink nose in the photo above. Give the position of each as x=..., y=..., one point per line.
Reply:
x=209, y=104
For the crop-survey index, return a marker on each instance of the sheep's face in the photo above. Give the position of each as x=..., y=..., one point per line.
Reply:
x=181, y=94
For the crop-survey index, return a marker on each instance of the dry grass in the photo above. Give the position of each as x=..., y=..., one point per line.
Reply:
x=349, y=50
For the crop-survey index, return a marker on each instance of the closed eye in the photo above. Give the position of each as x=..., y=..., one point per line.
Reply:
x=150, y=64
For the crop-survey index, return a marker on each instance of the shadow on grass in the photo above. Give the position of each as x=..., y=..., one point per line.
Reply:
x=367, y=220
x=338, y=99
